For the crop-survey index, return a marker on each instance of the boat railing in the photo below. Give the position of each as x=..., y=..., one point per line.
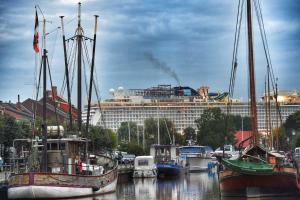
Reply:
x=255, y=157
x=5, y=171
x=126, y=166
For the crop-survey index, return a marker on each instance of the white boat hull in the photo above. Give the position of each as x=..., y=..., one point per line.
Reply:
x=52, y=192
x=198, y=164
x=145, y=173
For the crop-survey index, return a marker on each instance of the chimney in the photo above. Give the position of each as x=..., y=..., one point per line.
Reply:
x=54, y=90
x=18, y=104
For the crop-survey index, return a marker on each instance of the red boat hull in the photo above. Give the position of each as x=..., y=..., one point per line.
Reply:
x=278, y=184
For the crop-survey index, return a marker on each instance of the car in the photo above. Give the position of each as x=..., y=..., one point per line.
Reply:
x=229, y=151
x=127, y=159
x=1, y=164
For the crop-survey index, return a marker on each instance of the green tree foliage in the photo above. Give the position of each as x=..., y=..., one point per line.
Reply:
x=179, y=139
x=11, y=129
x=102, y=139
x=189, y=135
x=134, y=148
x=167, y=132
x=241, y=123
x=289, y=132
x=123, y=132
x=297, y=141
x=215, y=128
x=292, y=124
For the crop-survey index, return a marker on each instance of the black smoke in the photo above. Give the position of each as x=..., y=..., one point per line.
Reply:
x=162, y=66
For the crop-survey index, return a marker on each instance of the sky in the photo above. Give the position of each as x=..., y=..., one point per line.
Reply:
x=192, y=39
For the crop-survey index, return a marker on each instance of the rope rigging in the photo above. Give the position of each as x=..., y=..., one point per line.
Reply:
x=270, y=81
x=72, y=55
x=235, y=52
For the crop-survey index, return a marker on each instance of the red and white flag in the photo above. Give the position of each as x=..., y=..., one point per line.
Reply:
x=36, y=34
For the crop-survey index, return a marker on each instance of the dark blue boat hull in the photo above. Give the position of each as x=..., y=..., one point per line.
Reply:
x=168, y=170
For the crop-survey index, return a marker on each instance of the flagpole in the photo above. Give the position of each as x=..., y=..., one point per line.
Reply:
x=35, y=89
x=44, y=124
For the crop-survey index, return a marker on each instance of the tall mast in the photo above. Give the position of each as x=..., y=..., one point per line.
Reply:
x=253, y=111
x=44, y=126
x=79, y=38
x=67, y=74
x=91, y=76
x=158, y=133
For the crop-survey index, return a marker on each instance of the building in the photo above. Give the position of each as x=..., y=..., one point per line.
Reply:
x=15, y=110
x=181, y=105
x=25, y=110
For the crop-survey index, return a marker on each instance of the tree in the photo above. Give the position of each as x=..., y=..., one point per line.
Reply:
x=102, y=139
x=189, y=135
x=241, y=123
x=167, y=131
x=11, y=129
x=134, y=148
x=125, y=129
x=289, y=131
x=297, y=141
x=292, y=124
x=215, y=128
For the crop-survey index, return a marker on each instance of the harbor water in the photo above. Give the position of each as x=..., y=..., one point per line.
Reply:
x=193, y=186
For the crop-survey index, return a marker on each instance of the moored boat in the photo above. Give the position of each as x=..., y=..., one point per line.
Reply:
x=144, y=167
x=70, y=173
x=256, y=172
x=57, y=165
x=281, y=182
x=198, y=158
x=168, y=162
x=169, y=169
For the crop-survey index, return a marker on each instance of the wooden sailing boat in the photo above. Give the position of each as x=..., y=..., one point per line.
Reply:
x=67, y=169
x=257, y=171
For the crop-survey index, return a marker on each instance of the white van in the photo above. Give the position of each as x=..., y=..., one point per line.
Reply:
x=297, y=153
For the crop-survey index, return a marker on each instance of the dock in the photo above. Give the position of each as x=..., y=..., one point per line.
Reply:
x=125, y=171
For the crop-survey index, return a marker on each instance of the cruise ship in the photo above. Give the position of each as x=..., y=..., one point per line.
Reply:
x=181, y=105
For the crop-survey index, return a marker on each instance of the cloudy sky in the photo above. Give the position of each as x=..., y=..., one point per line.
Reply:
x=194, y=38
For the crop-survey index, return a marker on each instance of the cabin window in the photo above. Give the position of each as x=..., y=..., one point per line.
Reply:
x=48, y=146
x=62, y=146
x=40, y=147
x=143, y=162
x=54, y=146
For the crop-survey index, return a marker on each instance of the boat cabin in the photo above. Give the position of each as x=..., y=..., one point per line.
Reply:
x=196, y=151
x=144, y=163
x=164, y=153
x=65, y=155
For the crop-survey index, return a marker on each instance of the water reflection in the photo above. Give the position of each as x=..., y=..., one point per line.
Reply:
x=194, y=186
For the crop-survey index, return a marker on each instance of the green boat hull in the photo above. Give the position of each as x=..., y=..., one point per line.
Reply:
x=248, y=167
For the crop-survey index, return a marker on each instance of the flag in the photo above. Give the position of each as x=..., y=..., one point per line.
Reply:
x=36, y=34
